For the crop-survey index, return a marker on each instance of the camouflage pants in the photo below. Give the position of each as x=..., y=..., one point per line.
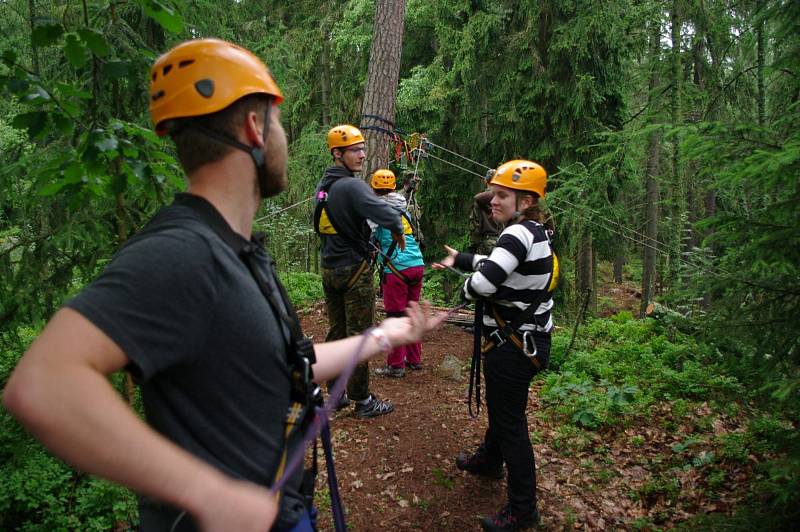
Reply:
x=350, y=312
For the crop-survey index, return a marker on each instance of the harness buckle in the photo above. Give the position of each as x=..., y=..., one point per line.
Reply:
x=497, y=338
x=526, y=335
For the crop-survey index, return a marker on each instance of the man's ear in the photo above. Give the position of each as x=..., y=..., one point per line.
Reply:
x=337, y=153
x=254, y=129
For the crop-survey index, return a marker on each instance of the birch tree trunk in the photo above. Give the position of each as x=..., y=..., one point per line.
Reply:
x=383, y=75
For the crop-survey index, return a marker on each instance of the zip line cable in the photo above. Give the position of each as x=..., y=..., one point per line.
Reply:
x=458, y=155
x=292, y=206
x=429, y=154
x=686, y=262
x=613, y=222
x=644, y=240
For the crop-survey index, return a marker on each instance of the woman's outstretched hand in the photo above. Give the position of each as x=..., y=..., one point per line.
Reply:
x=449, y=261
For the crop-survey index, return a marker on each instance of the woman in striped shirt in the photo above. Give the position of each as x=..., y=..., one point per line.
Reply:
x=518, y=273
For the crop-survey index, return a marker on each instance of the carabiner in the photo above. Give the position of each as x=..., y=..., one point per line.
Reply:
x=525, y=336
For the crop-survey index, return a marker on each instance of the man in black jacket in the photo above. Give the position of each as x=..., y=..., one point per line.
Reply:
x=344, y=203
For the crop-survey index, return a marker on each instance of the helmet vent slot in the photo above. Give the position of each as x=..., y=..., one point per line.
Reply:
x=185, y=63
x=159, y=94
x=205, y=87
x=166, y=70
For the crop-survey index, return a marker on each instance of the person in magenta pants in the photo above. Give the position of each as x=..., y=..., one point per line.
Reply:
x=401, y=273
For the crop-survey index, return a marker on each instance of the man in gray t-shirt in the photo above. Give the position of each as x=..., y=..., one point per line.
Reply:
x=179, y=307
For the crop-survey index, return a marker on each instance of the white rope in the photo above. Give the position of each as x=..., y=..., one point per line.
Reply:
x=292, y=206
x=429, y=154
x=458, y=155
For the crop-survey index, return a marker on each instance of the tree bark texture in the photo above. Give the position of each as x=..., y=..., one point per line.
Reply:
x=679, y=187
x=383, y=76
x=585, y=275
x=34, y=48
x=649, y=257
x=762, y=98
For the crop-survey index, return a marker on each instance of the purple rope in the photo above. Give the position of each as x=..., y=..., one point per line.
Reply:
x=322, y=414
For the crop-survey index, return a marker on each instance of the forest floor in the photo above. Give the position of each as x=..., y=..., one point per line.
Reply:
x=397, y=472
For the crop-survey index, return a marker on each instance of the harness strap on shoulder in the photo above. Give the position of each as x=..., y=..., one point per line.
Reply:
x=322, y=201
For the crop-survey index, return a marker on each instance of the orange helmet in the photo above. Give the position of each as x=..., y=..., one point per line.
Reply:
x=522, y=175
x=204, y=76
x=344, y=136
x=383, y=179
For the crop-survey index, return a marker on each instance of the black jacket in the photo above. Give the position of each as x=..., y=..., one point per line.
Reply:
x=350, y=203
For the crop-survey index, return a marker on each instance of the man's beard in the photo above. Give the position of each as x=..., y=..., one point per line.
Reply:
x=271, y=181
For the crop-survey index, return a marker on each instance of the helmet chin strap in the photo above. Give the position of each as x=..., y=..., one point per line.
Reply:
x=257, y=154
x=516, y=214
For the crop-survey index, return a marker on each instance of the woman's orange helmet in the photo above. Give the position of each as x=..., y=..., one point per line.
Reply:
x=383, y=179
x=204, y=76
x=522, y=175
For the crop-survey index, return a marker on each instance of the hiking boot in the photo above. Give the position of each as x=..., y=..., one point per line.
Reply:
x=415, y=367
x=343, y=402
x=391, y=371
x=508, y=519
x=373, y=407
x=478, y=464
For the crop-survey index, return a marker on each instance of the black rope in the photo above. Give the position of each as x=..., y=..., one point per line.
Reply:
x=475, y=366
x=380, y=118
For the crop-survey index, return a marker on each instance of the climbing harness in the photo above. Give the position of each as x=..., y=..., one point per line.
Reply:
x=408, y=229
x=325, y=225
x=510, y=332
x=304, y=393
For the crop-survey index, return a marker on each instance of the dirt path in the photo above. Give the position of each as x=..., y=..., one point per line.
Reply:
x=397, y=472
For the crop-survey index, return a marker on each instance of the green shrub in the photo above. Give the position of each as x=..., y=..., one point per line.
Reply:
x=304, y=288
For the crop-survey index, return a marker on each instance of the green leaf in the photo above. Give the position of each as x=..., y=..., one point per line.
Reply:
x=51, y=188
x=76, y=54
x=107, y=144
x=9, y=57
x=95, y=41
x=74, y=173
x=47, y=34
x=163, y=14
x=65, y=124
x=37, y=96
x=116, y=69
x=34, y=122
x=72, y=91
x=17, y=85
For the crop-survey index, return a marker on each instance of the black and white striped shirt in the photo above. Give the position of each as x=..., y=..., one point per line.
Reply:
x=516, y=273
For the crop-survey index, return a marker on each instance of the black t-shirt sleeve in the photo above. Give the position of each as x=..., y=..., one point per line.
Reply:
x=155, y=300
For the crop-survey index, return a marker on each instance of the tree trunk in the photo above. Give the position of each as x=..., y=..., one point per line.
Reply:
x=619, y=263
x=34, y=48
x=383, y=76
x=585, y=275
x=762, y=98
x=679, y=188
x=651, y=181
x=325, y=79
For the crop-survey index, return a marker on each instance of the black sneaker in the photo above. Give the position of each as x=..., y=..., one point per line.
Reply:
x=343, y=402
x=373, y=407
x=391, y=371
x=415, y=367
x=508, y=519
x=478, y=464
